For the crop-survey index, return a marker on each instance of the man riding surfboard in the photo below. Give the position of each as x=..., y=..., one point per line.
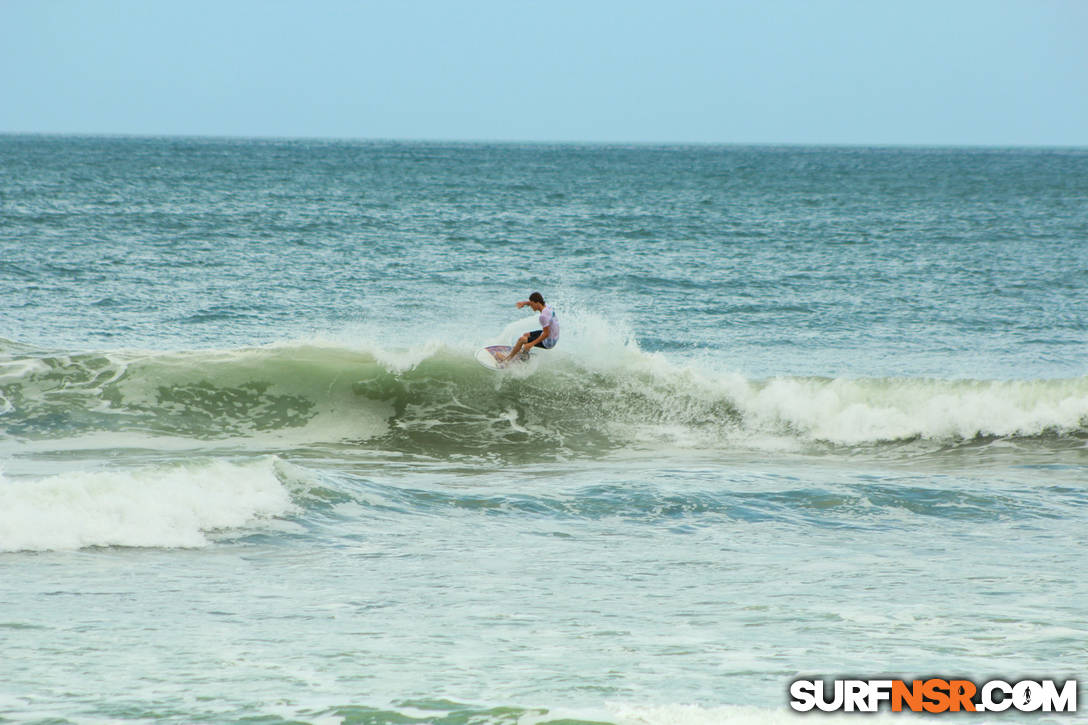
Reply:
x=546, y=337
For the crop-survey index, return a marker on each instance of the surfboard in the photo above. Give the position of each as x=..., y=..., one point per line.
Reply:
x=486, y=357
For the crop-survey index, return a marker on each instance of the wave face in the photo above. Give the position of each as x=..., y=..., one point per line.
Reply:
x=436, y=401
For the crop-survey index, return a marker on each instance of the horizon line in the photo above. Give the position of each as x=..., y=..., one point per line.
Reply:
x=545, y=142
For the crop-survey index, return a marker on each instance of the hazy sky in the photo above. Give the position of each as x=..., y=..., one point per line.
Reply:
x=979, y=72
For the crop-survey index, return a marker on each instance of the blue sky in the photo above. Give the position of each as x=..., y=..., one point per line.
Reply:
x=976, y=72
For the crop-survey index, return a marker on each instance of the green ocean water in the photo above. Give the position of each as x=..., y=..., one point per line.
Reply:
x=814, y=412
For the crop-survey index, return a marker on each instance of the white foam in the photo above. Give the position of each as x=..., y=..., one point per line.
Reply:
x=400, y=361
x=175, y=506
x=842, y=411
x=858, y=411
x=732, y=715
x=12, y=370
x=782, y=413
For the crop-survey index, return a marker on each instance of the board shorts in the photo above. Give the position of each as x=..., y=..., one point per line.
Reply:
x=542, y=346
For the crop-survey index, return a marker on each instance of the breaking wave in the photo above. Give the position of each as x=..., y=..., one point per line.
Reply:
x=434, y=400
x=152, y=506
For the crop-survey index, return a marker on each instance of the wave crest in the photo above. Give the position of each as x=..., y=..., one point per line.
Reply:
x=435, y=400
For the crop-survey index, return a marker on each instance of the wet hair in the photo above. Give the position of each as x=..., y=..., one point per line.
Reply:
x=536, y=297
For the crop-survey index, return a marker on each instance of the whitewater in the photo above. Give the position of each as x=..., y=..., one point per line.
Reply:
x=582, y=402
x=814, y=413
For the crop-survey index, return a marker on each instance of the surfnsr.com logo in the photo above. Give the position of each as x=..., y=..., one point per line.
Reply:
x=934, y=695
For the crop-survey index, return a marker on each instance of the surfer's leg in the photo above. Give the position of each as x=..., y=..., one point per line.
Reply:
x=517, y=347
x=527, y=337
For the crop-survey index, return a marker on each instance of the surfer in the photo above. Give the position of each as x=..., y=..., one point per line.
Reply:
x=548, y=334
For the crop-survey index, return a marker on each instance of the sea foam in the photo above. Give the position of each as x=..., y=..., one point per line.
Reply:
x=160, y=506
x=624, y=714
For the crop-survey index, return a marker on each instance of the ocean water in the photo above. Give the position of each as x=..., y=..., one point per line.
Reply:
x=815, y=412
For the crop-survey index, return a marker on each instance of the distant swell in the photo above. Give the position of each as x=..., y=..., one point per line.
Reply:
x=437, y=401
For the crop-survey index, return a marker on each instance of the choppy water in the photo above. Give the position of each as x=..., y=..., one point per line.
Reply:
x=814, y=412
